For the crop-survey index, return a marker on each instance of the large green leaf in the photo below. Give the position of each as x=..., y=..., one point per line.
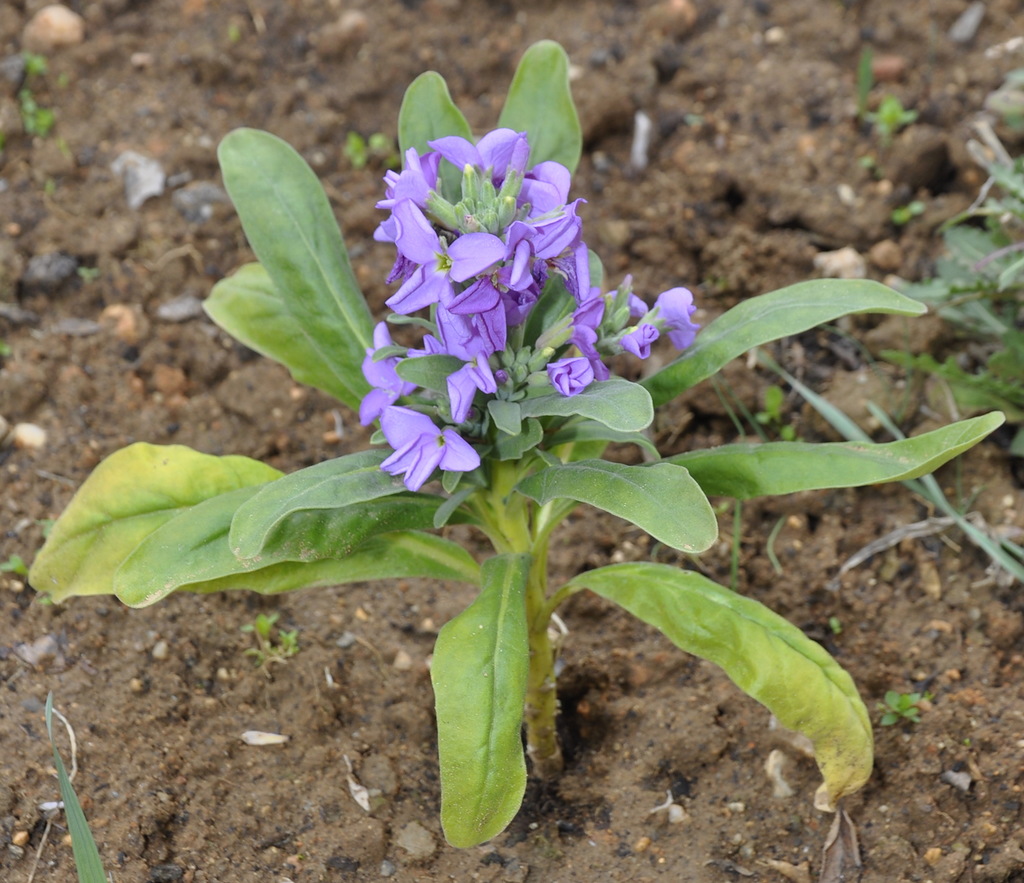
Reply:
x=540, y=103
x=129, y=495
x=191, y=552
x=753, y=470
x=331, y=485
x=661, y=499
x=428, y=113
x=770, y=317
x=764, y=655
x=292, y=230
x=479, y=672
x=248, y=307
x=617, y=403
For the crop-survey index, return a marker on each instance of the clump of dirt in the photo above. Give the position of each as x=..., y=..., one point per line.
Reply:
x=758, y=164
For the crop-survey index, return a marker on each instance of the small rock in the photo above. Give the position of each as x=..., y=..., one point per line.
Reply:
x=143, y=177
x=169, y=380
x=53, y=27
x=960, y=780
x=388, y=869
x=845, y=263
x=196, y=202
x=123, y=320
x=966, y=26
x=888, y=68
x=920, y=158
x=161, y=651
x=674, y=18
x=27, y=437
x=334, y=39
x=73, y=327
x=165, y=874
x=45, y=272
x=12, y=71
x=886, y=255
x=417, y=841
x=180, y=309
x=403, y=661
x=19, y=838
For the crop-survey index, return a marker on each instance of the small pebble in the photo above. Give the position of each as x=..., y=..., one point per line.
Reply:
x=195, y=203
x=47, y=271
x=74, y=327
x=161, y=651
x=122, y=319
x=886, y=255
x=27, y=437
x=888, y=68
x=53, y=27
x=180, y=309
x=143, y=177
x=417, y=841
x=959, y=780
x=20, y=838
x=844, y=263
x=388, y=869
x=933, y=856
x=403, y=661
x=674, y=18
x=966, y=26
x=136, y=685
x=335, y=38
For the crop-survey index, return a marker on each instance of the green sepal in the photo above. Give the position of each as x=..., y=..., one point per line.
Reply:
x=661, y=499
x=767, y=657
x=479, y=672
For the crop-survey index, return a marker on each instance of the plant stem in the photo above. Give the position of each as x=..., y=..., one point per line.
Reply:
x=541, y=696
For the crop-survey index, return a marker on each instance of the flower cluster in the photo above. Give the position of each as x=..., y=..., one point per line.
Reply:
x=505, y=250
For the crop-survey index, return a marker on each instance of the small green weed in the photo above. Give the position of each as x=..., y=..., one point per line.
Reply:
x=772, y=417
x=35, y=119
x=904, y=214
x=14, y=564
x=378, y=148
x=269, y=649
x=902, y=707
x=889, y=119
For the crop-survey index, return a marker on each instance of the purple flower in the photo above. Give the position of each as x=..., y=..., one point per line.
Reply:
x=675, y=307
x=571, y=376
x=464, y=383
x=497, y=152
x=546, y=187
x=388, y=386
x=440, y=264
x=466, y=336
x=421, y=447
x=638, y=340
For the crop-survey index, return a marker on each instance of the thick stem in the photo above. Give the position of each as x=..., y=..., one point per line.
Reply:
x=541, y=695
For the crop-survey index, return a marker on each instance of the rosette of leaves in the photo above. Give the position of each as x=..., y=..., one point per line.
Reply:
x=153, y=520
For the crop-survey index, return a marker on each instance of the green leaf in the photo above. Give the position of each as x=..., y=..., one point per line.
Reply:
x=479, y=672
x=617, y=403
x=333, y=484
x=428, y=113
x=770, y=317
x=292, y=230
x=129, y=495
x=248, y=307
x=592, y=431
x=507, y=416
x=397, y=555
x=192, y=551
x=540, y=103
x=661, y=499
x=430, y=372
x=88, y=864
x=512, y=447
x=765, y=656
x=754, y=470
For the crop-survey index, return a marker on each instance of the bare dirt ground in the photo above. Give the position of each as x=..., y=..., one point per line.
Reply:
x=756, y=167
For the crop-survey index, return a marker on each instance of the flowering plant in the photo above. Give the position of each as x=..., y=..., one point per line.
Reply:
x=501, y=403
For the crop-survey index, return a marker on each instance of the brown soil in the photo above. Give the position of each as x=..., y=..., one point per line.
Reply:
x=755, y=168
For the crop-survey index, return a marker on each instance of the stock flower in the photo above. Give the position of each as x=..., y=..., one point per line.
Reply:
x=381, y=374
x=439, y=264
x=498, y=152
x=675, y=307
x=421, y=447
x=571, y=376
x=638, y=340
x=464, y=383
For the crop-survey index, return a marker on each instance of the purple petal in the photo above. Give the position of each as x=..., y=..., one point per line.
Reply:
x=473, y=254
x=457, y=455
x=458, y=151
x=479, y=297
x=423, y=288
x=498, y=147
x=570, y=376
x=675, y=307
x=374, y=403
x=402, y=425
x=638, y=340
x=415, y=237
